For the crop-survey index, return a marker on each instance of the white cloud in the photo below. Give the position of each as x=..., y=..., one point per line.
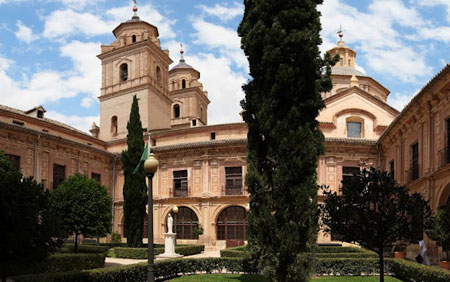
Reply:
x=68, y=22
x=220, y=38
x=223, y=12
x=399, y=101
x=87, y=102
x=65, y=23
x=441, y=33
x=49, y=85
x=24, y=33
x=374, y=34
x=80, y=4
x=224, y=87
x=81, y=123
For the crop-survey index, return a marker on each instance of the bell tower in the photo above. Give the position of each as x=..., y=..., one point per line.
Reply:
x=134, y=64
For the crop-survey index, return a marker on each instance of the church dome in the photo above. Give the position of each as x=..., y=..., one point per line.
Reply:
x=340, y=70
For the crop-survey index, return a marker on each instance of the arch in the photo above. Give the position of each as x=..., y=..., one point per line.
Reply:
x=114, y=125
x=183, y=84
x=158, y=76
x=184, y=223
x=133, y=38
x=355, y=111
x=444, y=197
x=123, y=72
x=231, y=226
x=176, y=111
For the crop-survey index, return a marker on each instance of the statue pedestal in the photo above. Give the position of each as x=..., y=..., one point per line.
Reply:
x=169, y=247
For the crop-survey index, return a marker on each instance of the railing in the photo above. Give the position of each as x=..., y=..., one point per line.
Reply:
x=444, y=156
x=233, y=191
x=178, y=193
x=412, y=173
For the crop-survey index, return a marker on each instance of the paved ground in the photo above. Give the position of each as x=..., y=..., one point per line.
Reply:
x=121, y=261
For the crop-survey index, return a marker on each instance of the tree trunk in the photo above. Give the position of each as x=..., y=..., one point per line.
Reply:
x=76, y=242
x=98, y=240
x=4, y=278
x=380, y=254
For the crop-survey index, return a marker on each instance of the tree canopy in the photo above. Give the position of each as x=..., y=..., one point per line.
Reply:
x=374, y=212
x=83, y=206
x=438, y=228
x=134, y=187
x=28, y=230
x=282, y=101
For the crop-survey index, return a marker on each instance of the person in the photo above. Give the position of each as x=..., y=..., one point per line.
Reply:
x=423, y=252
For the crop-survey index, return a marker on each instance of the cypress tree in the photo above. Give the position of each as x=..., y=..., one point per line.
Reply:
x=134, y=187
x=282, y=101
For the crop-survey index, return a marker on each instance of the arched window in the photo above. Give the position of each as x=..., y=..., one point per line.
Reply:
x=176, y=111
x=114, y=126
x=133, y=38
x=173, y=85
x=349, y=62
x=124, y=72
x=201, y=113
x=158, y=75
x=184, y=223
x=183, y=83
x=341, y=62
x=232, y=226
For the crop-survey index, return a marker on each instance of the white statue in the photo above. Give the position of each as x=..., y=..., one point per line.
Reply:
x=169, y=223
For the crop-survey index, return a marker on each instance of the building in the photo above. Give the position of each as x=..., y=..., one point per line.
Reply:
x=202, y=167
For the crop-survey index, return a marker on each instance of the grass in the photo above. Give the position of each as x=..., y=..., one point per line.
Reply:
x=355, y=279
x=258, y=278
x=221, y=278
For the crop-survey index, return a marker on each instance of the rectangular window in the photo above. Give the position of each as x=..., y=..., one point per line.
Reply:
x=213, y=136
x=233, y=180
x=349, y=171
x=414, y=161
x=447, y=149
x=97, y=177
x=180, y=183
x=15, y=160
x=392, y=169
x=354, y=129
x=59, y=175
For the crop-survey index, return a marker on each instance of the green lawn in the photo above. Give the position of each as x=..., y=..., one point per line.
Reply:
x=221, y=278
x=257, y=278
x=357, y=278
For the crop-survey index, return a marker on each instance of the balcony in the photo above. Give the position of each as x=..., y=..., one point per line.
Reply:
x=444, y=156
x=180, y=193
x=412, y=173
x=231, y=191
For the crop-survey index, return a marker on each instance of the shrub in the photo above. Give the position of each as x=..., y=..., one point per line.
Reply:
x=138, y=272
x=348, y=266
x=346, y=255
x=141, y=253
x=327, y=249
x=66, y=262
x=84, y=248
x=116, y=238
x=408, y=270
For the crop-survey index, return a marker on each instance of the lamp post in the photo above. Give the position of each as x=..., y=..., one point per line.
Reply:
x=150, y=167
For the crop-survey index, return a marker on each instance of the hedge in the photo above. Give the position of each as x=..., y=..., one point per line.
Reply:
x=346, y=255
x=327, y=249
x=141, y=253
x=408, y=270
x=348, y=266
x=138, y=272
x=66, y=262
x=84, y=248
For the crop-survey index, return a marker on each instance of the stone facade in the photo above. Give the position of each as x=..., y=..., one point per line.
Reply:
x=202, y=167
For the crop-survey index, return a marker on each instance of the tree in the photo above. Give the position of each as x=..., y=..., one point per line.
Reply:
x=438, y=229
x=134, y=187
x=374, y=212
x=28, y=232
x=83, y=206
x=282, y=101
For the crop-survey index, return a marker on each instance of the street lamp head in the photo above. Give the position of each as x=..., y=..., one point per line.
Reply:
x=151, y=164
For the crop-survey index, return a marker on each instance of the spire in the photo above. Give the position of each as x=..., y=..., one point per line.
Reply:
x=182, y=52
x=135, y=9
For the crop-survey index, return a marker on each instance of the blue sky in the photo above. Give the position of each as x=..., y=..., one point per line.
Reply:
x=48, y=48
